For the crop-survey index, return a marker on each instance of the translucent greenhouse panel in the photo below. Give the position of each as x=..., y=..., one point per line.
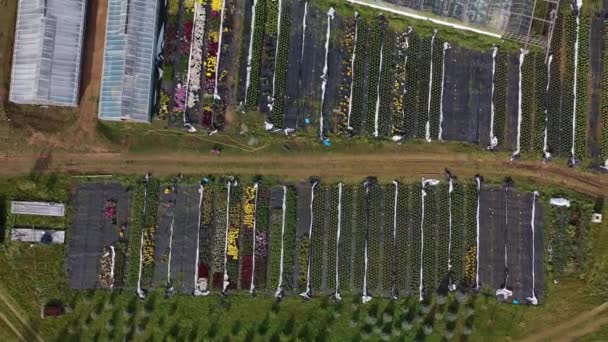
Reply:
x=47, y=55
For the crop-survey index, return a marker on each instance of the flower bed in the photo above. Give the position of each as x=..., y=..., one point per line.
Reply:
x=442, y=235
x=568, y=85
x=540, y=86
x=554, y=93
x=435, y=107
x=470, y=236
x=246, y=239
x=500, y=96
x=411, y=85
x=386, y=248
x=375, y=50
x=604, y=107
x=106, y=268
x=528, y=108
x=386, y=86
x=196, y=57
x=332, y=236
x=415, y=242
x=399, y=93
x=347, y=81
x=234, y=228
x=303, y=253
x=261, y=238
x=561, y=240
x=140, y=224
x=582, y=90
x=458, y=233
x=257, y=43
x=346, y=239
x=424, y=64
x=374, y=270
x=429, y=280
x=317, y=239
x=358, y=99
x=403, y=242
x=359, y=236
x=219, y=238
x=281, y=64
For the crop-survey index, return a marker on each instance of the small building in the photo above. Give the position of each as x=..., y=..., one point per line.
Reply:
x=129, y=63
x=37, y=208
x=47, y=53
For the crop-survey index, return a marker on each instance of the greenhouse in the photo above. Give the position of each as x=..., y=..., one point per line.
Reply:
x=129, y=60
x=47, y=54
x=500, y=16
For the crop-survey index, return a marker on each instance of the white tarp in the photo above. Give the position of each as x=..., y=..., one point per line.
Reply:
x=35, y=235
x=560, y=202
x=37, y=208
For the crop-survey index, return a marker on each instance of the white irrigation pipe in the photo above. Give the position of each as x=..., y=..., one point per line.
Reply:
x=279, y=292
x=330, y=17
x=478, y=183
x=276, y=53
x=216, y=95
x=533, y=300
x=255, y=211
x=515, y=154
x=365, y=297
x=393, y=266
x=421, y=17
x=450, y=190
x=113, y=262
x=428, y=107
x=171, y=240
x=304, y=30
x=226, y=281
x=308, y=291
x=493, y=138
x=139, y=291
x=546, y=153
x=190, y=62
x=337, y=291
x=579, y=4
x=197, y=291
x=352, y=72
x=425, y=182
x=446, y=46
x=377, y=112
x=250, y=55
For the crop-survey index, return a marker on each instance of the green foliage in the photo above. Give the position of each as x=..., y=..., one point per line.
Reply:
x=317, y=239
x=582, y=89
x=358, y=113
x=500, y=95
x=604, y=108
x=256, y=58
x=378, y=29
x=144, y=202
x=281, y=64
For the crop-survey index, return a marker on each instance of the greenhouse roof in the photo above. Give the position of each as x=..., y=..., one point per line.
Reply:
x=129, y=60
x=47, y=54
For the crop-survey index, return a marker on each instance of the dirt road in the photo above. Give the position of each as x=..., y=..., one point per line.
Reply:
x=384, y=164
x=578, y=326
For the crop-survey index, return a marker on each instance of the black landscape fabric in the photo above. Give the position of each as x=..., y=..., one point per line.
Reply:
x=91, y=231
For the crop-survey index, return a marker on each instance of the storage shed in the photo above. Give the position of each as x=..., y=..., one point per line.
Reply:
x=47, y=54
x=129, y=62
